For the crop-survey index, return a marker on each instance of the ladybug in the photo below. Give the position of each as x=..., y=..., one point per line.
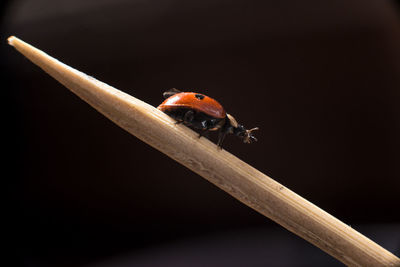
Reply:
x=203, y=113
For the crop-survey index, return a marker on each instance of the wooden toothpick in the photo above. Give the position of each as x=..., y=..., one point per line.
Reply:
x=221, y=168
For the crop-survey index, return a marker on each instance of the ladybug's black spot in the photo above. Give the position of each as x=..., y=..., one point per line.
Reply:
x=199, y=96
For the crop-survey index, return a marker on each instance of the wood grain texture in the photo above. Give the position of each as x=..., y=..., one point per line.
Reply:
x=221, y=168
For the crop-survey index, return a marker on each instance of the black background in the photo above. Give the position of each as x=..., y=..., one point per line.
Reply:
x=320, y=79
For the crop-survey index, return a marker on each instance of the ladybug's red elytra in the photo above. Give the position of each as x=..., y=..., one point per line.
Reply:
x=203, y=113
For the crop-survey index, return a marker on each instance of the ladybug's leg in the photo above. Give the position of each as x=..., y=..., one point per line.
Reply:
x=221, y=137
x=204, y=129
x=204, y=132
x=188, y=117
x=171, y=92
x=226, y=128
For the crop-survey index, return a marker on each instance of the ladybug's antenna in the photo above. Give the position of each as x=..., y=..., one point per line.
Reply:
x=248, y=137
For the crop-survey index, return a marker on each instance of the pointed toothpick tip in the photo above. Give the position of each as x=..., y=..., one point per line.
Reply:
x=11, y=40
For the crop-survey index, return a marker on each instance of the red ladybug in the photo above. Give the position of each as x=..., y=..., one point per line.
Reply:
x=203, y=113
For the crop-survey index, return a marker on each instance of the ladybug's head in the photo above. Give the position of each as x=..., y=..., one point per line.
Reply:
x=240, y=131
x=245, y=134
